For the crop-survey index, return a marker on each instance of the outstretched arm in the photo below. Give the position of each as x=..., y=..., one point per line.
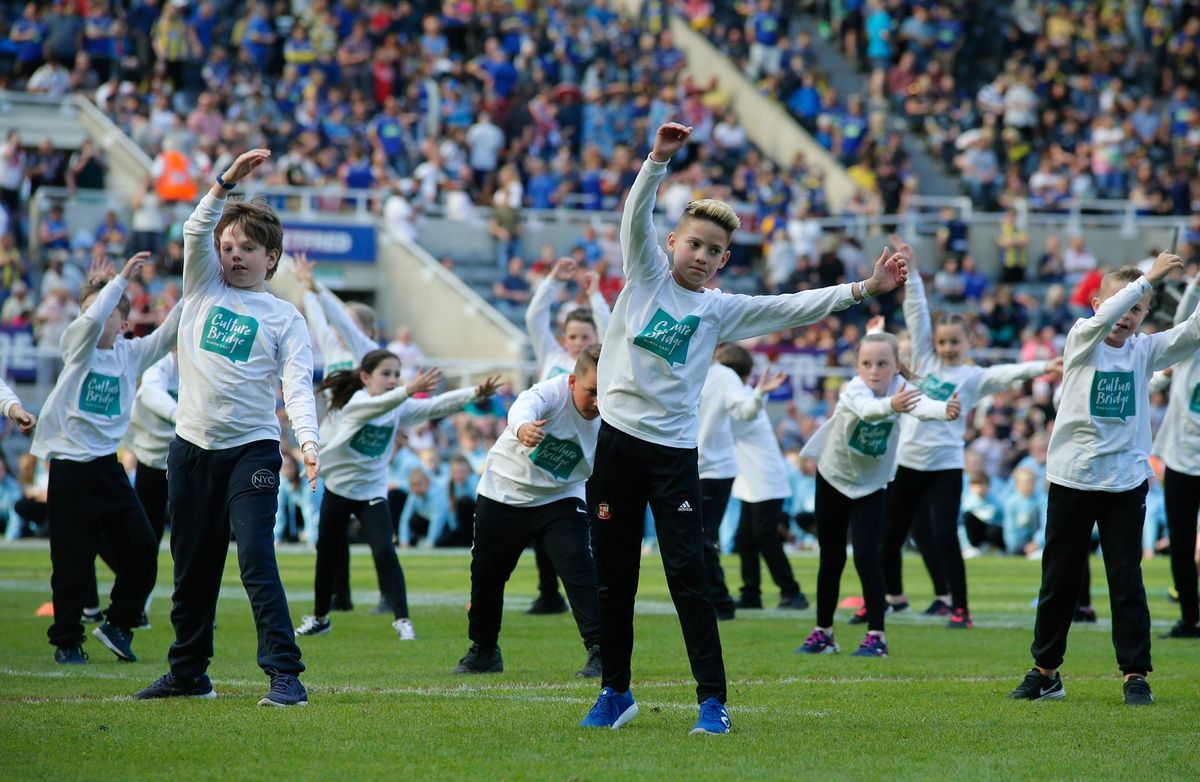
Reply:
x=641, y=255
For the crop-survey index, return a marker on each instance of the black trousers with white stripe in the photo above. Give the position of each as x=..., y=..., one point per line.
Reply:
x=629, y=473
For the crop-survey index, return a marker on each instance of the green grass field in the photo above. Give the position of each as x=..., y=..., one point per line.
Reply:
x=383, y=709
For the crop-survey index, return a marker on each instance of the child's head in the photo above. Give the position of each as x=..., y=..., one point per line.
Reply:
x=878, y=361
x=736, y=358
x=460, y=468
x=378, y=373
x=1024, y=481
x=980, y=484
x=583, y=382
x=950, y=339
x=418, y=482
x=1131, y=321
x=117, y=321
x=579, y=331
x=1038, y=445
x=249, y=242
x=699, y=245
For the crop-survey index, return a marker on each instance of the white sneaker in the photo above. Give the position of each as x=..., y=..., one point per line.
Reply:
x=404, y=629
x=313, y=626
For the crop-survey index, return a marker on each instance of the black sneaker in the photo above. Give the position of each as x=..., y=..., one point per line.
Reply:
x=1182, y=630
x=286, y=690
x=860, y=617
x=341, y=602
x=172, y=686
x=92, y=616
x=895, y=608
x=70, y=655
x=1085, y=614
x=1039, y=687
x=725, y=612
x=478, y=660
x=795, y=603
x=118, y=640
x=939, y=607
x=749, y=603
x=543, y=605
x=594, y=667
x=384, y=606
x=1137, y=692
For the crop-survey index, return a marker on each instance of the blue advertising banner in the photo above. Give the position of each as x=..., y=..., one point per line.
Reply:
x=331, y=241
x=18, y=354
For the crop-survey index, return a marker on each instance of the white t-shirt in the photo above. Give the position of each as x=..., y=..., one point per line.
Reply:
x=339, y=337
x=87, y=412
x=938, y=445
x=558, y=468
x=155, y=406
x=762, y=471
x=724, y=397
x=235, y=346
x=485, y=140
x=1101, y=437
x=856, y=448
x=661, y=339
x=1178, y=439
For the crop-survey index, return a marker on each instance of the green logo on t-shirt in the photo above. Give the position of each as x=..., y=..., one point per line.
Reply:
x=174, y=395
x=338, y=366
x=557, y=457
x=668, y=338
x=229, y=334
x=1112, y=395
x=1195, y=403
x=871, y=439
x=555, y=372
x=936, y=389
x=100, y=394
x=372, y=440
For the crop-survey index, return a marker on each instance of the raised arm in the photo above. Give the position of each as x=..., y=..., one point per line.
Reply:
x=345, y=325
x=1169, y=347
x=859, y=400
x=601, y=314
x=1089, y=332
x=641, y=255
x=79, y=339
x=1188, y=301
x=158, y=343
x=537, y=315
x=740, y=401
x=201, y=265
x=920, y=326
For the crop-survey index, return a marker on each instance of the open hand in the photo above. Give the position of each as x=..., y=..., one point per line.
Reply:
x=134, y=264
x=1164, y=265
x=768, y=382
x=488, y=387
x=425, y=381
x=891, y=271
x=876, y=324
x=564, y=269
x=246, y=163
x=303, y=269
x=904, y=400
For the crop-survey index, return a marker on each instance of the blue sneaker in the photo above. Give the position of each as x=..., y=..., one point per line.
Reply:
x=118, y=640
x=172, y=686
x=713, y=719
x=872, y=646
x=819, y=643
x=612, y=710
x=286, y=690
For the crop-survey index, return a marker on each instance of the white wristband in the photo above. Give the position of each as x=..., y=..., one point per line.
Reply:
x=864, y=291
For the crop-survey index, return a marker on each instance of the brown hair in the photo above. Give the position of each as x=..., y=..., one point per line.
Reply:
x=346, y=383
x=589, y=357
x=580, y=315
x=713, y=211
x=258, y=221
x=889, y=340
x=94, y=286
x=954, y=319
x=736, y=358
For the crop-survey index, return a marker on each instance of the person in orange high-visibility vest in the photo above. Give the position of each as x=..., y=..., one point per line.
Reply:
x=174, y=179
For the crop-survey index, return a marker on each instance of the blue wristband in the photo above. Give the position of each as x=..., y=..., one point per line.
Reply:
x=223, y=184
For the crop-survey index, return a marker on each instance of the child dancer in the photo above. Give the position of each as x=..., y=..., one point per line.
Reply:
x=556, y=356
x=151, y=430
x=723, y=398
x=533, y=488
x=856, y=455
x=658, y=348
x=366, y=407
x=1098, y=467
x=1176, y=444
x=929, y=479
x=762, y=484
x=237, y=342
x=89, y=498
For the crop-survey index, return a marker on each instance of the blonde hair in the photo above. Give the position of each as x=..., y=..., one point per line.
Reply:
x=890, y=340
x=713, y=211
